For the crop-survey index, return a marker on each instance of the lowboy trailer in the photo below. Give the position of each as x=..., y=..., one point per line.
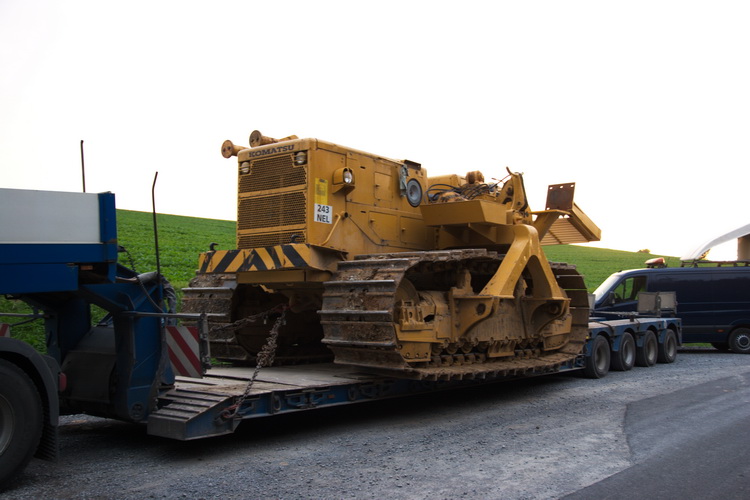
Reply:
x=197, y=408
x=58, y=253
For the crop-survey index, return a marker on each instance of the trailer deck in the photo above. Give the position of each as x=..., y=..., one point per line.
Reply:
x=197, y=407
x=194, y=408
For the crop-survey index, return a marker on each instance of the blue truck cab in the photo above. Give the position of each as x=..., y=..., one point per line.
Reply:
x=713, y=302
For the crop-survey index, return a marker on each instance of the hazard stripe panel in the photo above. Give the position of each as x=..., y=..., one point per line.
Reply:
x=4, y=330
x=256, y=259
x=184, y=349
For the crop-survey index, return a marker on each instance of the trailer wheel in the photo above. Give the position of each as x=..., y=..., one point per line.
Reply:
x=597, y=363
x=668, y=349
x=739, y=341
x=20, y=420
x=646, y=353
x=624, y=358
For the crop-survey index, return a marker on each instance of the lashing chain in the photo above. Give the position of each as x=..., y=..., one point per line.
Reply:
x=264, y=357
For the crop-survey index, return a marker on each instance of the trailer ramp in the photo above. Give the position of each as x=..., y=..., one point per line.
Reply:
x=194, y=407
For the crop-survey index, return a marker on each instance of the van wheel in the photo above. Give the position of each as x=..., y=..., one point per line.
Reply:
x=739, y=341
x=597, y=363
x=646, y=353
x=668, y=349
x=624, y=358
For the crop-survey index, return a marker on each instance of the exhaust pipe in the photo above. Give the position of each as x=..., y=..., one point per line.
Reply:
x=228, y=149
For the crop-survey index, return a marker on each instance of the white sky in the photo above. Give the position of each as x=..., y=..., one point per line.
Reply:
x=644, y=104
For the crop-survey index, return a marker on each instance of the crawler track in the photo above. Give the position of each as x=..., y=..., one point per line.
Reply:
x=228, y=303
x=212, y=294
x=359, y=316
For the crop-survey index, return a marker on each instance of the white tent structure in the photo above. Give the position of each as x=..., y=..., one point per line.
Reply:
x=741, y=234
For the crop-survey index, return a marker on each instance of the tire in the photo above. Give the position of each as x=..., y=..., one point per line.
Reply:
x=668, y=348
x=739, y=341
x=597, y=363
x=624, y=358
x=648, y=351
x=21, y=419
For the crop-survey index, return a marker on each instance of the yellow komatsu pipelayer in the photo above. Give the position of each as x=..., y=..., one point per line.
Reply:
x=385, y=268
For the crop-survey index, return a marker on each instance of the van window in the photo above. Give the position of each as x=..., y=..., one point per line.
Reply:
x=628, y=290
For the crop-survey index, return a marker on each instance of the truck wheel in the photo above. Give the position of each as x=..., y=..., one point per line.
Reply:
x=668, y=349
x=20, y=420
x=597, y=363
x=646, y=353
x=739, y=341
x=624, y=358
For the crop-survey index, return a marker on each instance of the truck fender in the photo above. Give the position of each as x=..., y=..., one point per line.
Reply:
x=45, y=373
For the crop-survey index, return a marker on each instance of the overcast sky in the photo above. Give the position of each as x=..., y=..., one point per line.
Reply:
x=645, y=105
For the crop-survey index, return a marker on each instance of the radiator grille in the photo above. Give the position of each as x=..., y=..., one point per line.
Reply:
x=271, y=212
x=271, y=239
x=272, y=173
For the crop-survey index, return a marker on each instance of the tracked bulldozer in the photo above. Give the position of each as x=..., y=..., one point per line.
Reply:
x=383, y=267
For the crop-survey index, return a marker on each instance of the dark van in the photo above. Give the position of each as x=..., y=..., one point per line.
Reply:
x=713, y=302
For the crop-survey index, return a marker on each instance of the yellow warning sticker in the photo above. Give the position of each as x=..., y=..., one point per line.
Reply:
x=321, y=191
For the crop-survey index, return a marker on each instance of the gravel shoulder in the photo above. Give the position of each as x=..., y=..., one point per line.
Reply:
x=539, y=438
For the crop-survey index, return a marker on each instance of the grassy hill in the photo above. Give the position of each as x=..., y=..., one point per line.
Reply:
x=182, y=239
x=596, y=264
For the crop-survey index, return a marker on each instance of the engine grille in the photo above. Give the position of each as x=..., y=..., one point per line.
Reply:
x=271, y=239
x=272, y=211
x=272, y=173
x=268, y=216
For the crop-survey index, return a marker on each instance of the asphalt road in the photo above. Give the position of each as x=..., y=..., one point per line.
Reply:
x=671, y=431
x=692, y=443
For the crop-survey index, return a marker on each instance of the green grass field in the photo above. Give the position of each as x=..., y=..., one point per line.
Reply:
x=182, y=239
x=596, y=264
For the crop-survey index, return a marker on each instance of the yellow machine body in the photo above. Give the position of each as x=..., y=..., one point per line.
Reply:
x=386, y=268
x=328, y=197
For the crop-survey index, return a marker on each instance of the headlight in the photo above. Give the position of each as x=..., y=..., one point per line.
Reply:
x=413, y=192
x=245, y=167
x=342, y=179
x=300, y=158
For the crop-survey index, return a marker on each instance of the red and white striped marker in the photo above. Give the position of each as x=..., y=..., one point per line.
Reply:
x=184, y=350
x=4, y=330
